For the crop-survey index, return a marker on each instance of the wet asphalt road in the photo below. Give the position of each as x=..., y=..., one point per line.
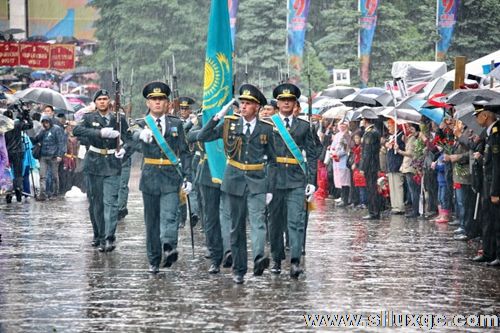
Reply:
x=51, y=279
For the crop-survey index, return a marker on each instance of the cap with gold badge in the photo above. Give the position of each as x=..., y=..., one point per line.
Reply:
x=186, y=102
x=252, y=93
x=286, y=90
x=156, y=89
x=492, y=106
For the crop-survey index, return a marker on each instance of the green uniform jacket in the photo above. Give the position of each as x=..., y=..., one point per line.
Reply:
x=291, y=175
x=257, y=149
x=89, y=131
x=203, y=174
x=492, y=160
x=160, y=179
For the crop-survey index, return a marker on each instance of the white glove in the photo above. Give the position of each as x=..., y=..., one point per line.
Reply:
x=269, y=198
x=310, y=189
x=219, y=115
x=194, y=119
x=146, y=135
x=109, y=133
x=187, y=187
x=120, y=154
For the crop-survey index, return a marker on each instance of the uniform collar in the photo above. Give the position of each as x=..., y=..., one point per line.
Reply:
x=488, y=130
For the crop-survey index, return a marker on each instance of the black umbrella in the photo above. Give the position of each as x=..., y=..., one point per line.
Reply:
x=465, y=113
x=471, y=95
x=37, y=38
x=385, y=99
x=13, y=31
x=357, y=100
x=338, y=92
x=45, y=96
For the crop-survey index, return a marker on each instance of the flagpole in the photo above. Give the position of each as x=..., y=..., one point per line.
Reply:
x=437, y=28
x=286, y=43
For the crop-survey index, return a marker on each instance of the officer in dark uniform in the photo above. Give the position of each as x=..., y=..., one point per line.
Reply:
x=185, y=104
x=293, y=185
x=102, y=165
x=370, y=162
x=486, y=117
x=161, y=181
x=247, y=143
x=217, y=227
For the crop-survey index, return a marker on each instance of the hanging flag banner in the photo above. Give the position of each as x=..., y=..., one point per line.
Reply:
x=297, y=24
x=62, y=56
x=233, y=10
x=34, y=55
x=446, y=20
x=9, y=54
x=368, y=23
x=218, y=80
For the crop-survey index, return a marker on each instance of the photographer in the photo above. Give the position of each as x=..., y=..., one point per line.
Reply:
x=14, y=141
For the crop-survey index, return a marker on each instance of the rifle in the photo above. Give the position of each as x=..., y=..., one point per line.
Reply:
x=117, y=106
x=175, y=89
x=129, y=116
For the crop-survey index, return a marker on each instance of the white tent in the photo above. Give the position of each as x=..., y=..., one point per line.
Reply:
x=476, y=67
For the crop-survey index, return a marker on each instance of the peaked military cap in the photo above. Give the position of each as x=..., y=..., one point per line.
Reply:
x=273, y=103
x=156, y=89
x=252, y=93
x=493, y=106
x=480, y=106
x=185, y=102
x=99, y=93
x=286, y=90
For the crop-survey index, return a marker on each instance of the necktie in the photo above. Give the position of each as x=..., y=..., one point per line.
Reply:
x=287, y=123
x=106, y=121
x=158, y=124
x=247, y=131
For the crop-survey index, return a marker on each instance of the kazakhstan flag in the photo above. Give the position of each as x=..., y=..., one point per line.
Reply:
x=218, y=82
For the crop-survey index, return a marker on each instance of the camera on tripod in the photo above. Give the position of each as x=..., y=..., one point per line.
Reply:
x=21, y=108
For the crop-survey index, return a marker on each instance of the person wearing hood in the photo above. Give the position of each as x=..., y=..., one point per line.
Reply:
x=53, y=147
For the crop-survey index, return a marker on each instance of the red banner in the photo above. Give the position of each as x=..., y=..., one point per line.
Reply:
x=34, y=55
x=62, y=56
x=9, y=54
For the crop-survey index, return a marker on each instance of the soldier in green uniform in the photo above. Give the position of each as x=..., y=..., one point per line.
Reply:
x=486, y=117
x=294, y=183
x=370, y=163
x=161, y=180
x=102, y=165
x=247, y=143
x=216, y=221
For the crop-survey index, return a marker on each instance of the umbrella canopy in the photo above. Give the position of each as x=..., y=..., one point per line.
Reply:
x=8, y=77
x=13, y=31
x=402, y=116
x=81, y=70
x=471, y=95
x=436, y=86
x=6, y=124
x=352, y=115
x=465, y=113
x=338, y=92
x=45, y=96
x=41, y=84
x=385, y=99
x=336, y=112
x=358, y=100
x=325, y=102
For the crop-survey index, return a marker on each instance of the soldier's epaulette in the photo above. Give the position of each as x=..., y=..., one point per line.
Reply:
x=268, y=122
x=233, y=117
x=494, y=130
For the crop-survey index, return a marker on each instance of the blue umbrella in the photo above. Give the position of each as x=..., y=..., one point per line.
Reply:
x=434, y=114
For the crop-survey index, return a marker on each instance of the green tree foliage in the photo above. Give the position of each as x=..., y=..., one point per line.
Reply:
x=145, y=35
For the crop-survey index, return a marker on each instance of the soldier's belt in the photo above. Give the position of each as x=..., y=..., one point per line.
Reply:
x=70, y=155
x=246, y=167
x=102, y=151
x=287, y=160
x=203, y=159
x=157, y=161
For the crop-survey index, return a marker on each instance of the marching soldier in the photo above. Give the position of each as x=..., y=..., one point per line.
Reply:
x=102, y=165
x=486, y=117
x=296, y=178
x=370, y=163
x=166, y=170
x=247, y=143
x=216, y=220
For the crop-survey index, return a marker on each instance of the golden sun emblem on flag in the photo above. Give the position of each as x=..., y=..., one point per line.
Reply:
x=215, y=88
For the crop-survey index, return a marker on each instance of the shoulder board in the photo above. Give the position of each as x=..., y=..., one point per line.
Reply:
x=268, y=122
x=233, y=117
x=494, y=130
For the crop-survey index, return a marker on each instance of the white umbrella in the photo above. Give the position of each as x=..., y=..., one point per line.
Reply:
x=336, y=112
x=402, y=116
x=6, y=124
x=45, y=96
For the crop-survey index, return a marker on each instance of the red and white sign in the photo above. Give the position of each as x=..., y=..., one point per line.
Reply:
x=62, y=56
x=34, y=55
x=9, y=54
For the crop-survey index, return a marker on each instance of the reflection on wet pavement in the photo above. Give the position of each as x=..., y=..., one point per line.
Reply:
x=51, y=279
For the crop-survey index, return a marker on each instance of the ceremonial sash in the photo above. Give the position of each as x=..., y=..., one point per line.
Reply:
x=162, y=142
x=287, y=138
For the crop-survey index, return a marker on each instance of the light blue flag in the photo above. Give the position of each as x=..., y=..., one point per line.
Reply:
x=65, y=27
x=218, y=82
